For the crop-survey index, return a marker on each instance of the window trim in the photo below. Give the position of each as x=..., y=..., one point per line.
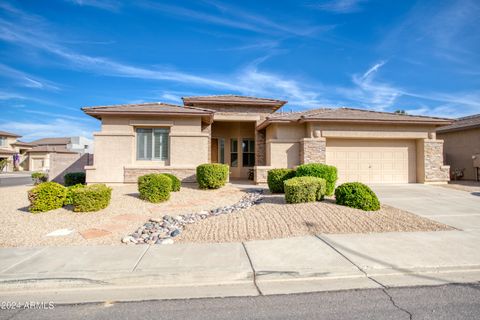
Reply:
x=3, y=141
x=233, y=152
x=164, y=157
x=249, y=152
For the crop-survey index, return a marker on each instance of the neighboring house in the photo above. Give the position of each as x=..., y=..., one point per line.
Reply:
x=247, y=134
x=462, y=143
x=14, y=150
x=40, y=156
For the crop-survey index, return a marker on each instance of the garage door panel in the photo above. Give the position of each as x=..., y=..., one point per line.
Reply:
x=372, y=161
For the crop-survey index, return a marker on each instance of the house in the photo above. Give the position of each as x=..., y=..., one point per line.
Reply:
x=40, y=155
x=462, y=143
x=14, y=151
x=248, y=133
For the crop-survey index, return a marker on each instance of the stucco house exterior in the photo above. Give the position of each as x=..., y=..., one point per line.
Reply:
x=40, y=155
x=248, y=134
x=11, y=148
x=462, y=145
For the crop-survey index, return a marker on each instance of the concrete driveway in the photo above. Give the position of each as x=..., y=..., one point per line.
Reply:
x=456, y=208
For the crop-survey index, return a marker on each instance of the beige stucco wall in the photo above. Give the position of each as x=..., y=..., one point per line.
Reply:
x=459, y=146
x=286, y=143
x=23, y=164
x=115, y=146
x=230, y=130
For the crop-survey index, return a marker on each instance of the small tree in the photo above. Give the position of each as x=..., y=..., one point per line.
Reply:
x=3, y=164
x=401, y=112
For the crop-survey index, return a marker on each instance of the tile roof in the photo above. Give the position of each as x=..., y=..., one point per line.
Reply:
x=350, y=114
x=56, y=149
x=49, y=141
x=8, y=134
x=6, y=151
x=24, y=144
x=233, y=99
x=462, y=124
x=145, y=108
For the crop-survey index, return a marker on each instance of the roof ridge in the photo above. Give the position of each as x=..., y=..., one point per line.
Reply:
x=231, y=95
x=473, y=116
x=394, y=113
x=134, y=104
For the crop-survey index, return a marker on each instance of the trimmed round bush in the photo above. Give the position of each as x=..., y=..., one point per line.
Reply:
x=91, y=198
x=320, y=170
x=357, y=195
x=304, y=189
x=176, y=183
x=46, y=196
x=212, y=175
x=39, y=177
x=276, y=177
x=73, y=178
x=70, y=189
x=154, y=187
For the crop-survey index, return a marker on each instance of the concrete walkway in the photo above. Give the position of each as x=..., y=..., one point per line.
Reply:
x=302, y=264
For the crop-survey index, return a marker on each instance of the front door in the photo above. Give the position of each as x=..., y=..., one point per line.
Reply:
x=214, y=151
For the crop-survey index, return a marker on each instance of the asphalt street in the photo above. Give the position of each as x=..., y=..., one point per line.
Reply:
x=456, y=301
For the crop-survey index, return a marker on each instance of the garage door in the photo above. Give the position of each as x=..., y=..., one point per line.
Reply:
x=373, y=161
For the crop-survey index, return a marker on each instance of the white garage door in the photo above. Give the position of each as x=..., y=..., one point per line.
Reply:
x=373, y=161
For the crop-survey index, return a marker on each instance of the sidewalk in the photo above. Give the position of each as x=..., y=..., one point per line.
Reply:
x=303, y=264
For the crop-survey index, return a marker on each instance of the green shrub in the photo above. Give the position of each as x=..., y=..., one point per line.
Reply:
x=176, y=183
x=46, y=196
x=329, y=173
x=154, y=187
x=304, y=189
x=212, y=175
x=39, y=177
x=91, y=198
x=357, y=195
x=73, y=178
x=70, y=189
x=276, y=177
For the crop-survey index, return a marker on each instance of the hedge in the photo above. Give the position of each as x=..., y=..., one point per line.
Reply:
x=276, y=177
x=176, y=183
x=212, y=175
x=91, y=198
x=357, y=195
x=304, y=189
x=73, y=178
x=154, y=187
x=320, y=170
x=70, y=189
x=46, y=196
x=39, y=177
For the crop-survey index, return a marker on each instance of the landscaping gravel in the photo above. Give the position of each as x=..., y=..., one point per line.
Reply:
x=126, y=211
x=274, y=219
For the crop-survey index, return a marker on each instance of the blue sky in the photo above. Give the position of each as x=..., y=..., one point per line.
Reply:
x=58, y=56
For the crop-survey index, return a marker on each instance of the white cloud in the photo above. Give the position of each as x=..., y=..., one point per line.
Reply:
x=54, y=127
x=27, y=80
x=109, y=5
x=339, y=6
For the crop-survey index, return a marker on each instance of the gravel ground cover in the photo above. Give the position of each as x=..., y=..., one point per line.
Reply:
x=20, y=228
x=273, y=218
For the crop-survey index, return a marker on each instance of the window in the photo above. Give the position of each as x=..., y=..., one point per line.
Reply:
x=222, y=150
x=233, y=153
x=248, y=150
x=152, y=144
x=3, y=141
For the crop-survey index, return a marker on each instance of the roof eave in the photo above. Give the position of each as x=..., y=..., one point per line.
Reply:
x=446, y=130
x=431, y=122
